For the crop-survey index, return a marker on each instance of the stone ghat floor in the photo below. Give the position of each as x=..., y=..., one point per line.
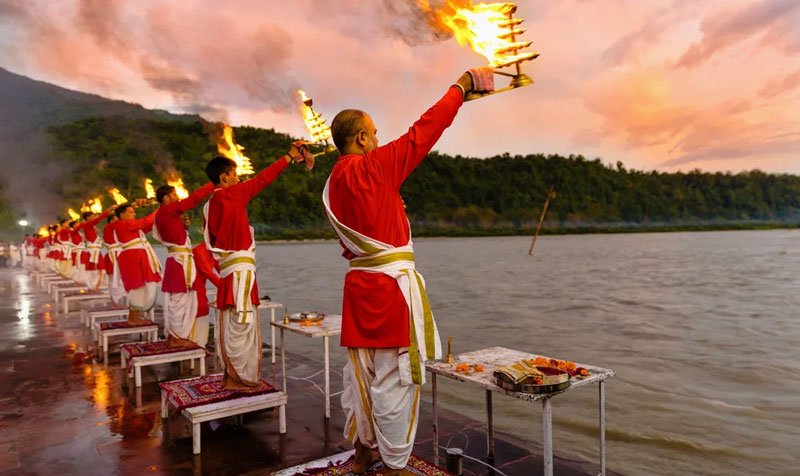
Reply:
x=64, y=412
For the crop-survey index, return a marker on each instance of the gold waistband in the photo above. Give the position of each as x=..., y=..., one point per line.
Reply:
x=375, y=262
x=178, y=249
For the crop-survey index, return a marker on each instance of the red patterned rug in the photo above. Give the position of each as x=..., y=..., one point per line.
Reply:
x=104, y=326
x=207, y=389
x=145, y=349
x=415, y=466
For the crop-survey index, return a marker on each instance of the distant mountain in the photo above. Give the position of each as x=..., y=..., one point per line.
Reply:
x=27, y=108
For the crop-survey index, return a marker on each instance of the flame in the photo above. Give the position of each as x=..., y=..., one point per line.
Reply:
x=44, y=231
x=319, y=130
x=230, y=149
x=180, y=189
x=73, y=214
x=96, y=205
x=148, y=188
x=85, y=207
x=489, y=29
x=119, y=198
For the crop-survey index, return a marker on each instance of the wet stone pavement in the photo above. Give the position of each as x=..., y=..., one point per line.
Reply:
x=64, y=411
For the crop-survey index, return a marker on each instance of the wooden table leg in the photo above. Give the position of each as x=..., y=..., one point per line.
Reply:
x=196, y=438
x=435, y=420
x=547, y=430
x=326, y=363
x=602, y=398
x=202, y=365
x=272, y=334
x=489, y=427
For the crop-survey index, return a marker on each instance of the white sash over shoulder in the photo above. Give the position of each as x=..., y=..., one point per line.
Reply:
x=242, y=265
x=397, y=262
x=141, y=243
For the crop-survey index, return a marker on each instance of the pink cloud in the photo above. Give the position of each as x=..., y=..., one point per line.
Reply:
x=724, y=29
x=605, y=84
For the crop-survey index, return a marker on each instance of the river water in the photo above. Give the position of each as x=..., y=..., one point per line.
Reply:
x=701, y=328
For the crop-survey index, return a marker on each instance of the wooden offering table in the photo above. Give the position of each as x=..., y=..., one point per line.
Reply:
x=331, y=325
x=490, y=359
x=135, y=355
x=123, y=328
x=85, y=296
x=202, y=399
x=272, y=306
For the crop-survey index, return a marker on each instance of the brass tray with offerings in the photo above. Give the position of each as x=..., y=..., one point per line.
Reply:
x=524, y=376
x=307, y=316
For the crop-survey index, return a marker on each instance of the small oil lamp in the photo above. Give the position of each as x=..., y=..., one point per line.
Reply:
x=319, y=130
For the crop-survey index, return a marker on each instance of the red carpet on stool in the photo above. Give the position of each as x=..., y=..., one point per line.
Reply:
x=207, y=389
x=415, y=466
x=145, y=349
x=104, y=326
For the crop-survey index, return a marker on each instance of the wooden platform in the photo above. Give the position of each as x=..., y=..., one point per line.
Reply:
x=99, y=295
x=104, y=332
x=128, y=358
x=236, y=405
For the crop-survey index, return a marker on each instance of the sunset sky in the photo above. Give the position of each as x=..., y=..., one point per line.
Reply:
x=669, y=85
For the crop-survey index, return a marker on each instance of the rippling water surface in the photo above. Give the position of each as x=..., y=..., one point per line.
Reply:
x=702, y=329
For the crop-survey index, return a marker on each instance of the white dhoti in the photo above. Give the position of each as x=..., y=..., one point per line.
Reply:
x=240, y=346
x=379, y=410
x=143, y=298
x=199, y=333
x=180, y=310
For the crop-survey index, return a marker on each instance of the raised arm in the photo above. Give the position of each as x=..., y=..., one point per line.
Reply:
x=145, y=224
x=401, y=156
x=195, y=198
x=94, y=221
x=298, y=153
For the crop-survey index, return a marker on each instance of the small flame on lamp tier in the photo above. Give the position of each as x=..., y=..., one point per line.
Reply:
x=119, y=198
x=318, y=129
x=95, y=205
x=150, y=192
x=44, y=231
x=489, y=29
x=230, y=149
x=180, y=189
x=73, y=214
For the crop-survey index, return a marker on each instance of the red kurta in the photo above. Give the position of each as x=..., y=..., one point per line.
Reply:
x=205, y=272
x=108, y=239
x=76, y=239
x=229, y=227
x=134, y=267
x=170, y=227
x=89, y=229
x=365, y=196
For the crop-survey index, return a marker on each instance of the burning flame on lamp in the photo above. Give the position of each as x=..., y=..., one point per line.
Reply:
x=230, y=149
x=320, y=131
x=180, y=189
x=96, y=205
x=44, y=231
x=149, y=191
x=73, y=214
x=119, y=198
x=490, y=30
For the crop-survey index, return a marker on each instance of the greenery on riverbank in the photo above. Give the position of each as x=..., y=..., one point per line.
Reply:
x=446, y=196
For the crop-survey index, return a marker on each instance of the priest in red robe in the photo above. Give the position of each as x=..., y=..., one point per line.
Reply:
x=91, y=256
x=180, y=269
x=229, y=236
x=138, y=265
x=387, y=324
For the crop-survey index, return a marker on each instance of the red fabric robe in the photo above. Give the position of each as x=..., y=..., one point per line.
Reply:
x=205, y=272
x=108, y=239
x=229, y=227
x=170, y=227
x=89, y=229
x=134, y=267
x=364, y=193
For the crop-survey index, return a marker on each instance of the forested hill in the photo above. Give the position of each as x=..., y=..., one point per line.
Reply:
x=445, y=196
